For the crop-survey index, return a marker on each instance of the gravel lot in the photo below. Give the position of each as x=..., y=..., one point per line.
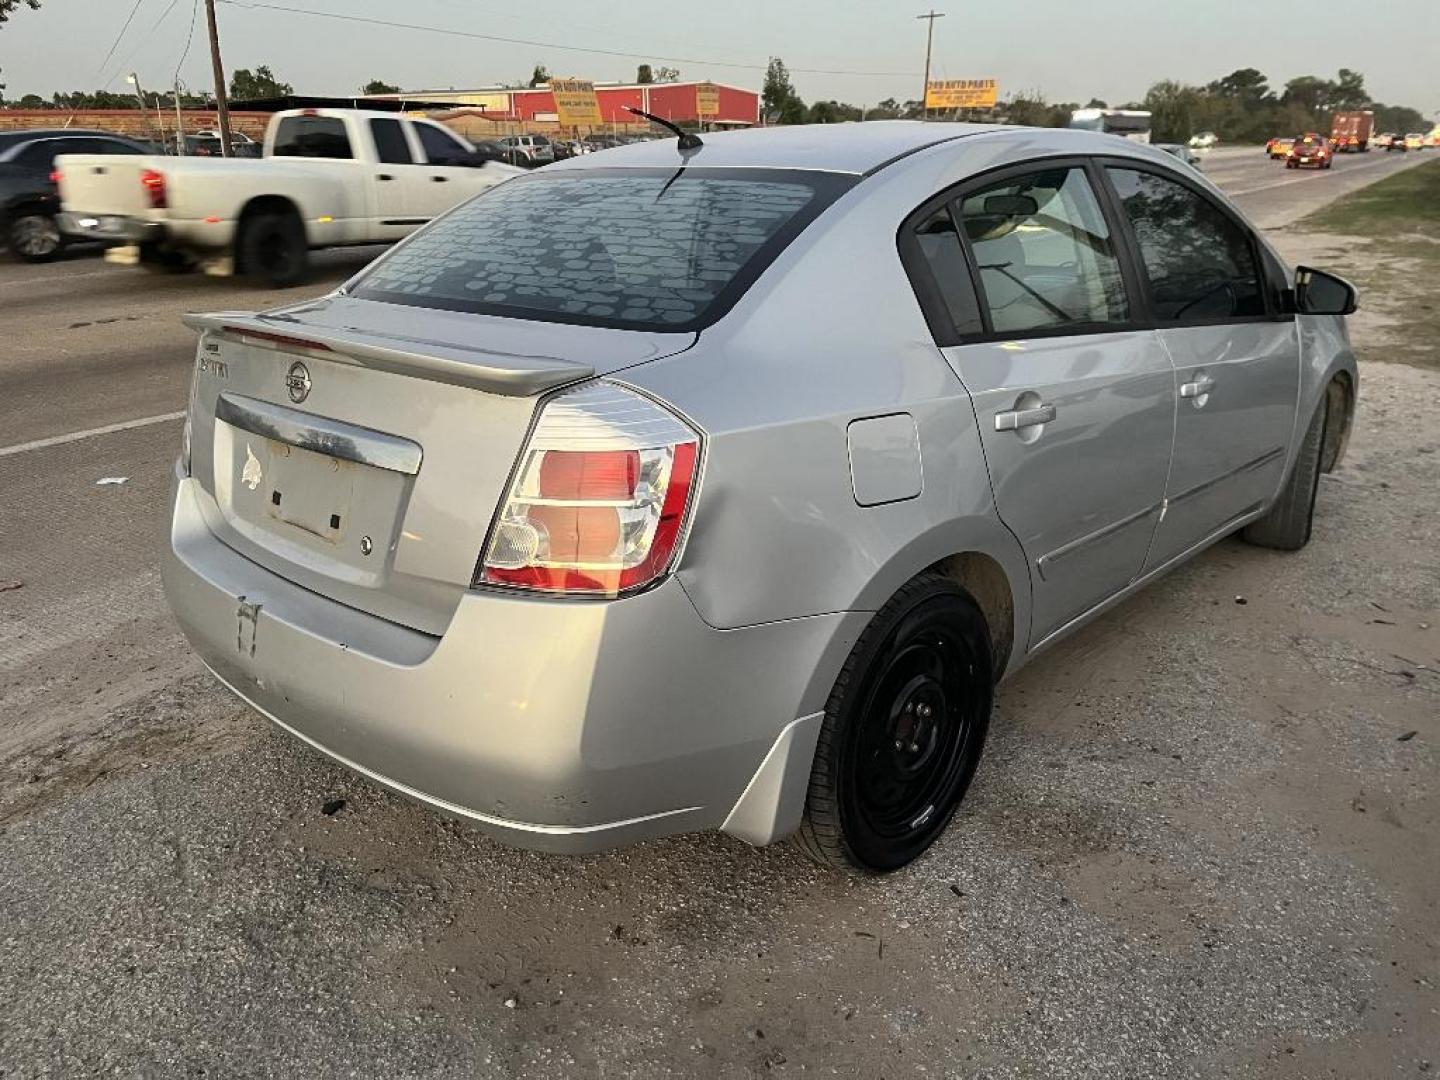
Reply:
x=1203, y=843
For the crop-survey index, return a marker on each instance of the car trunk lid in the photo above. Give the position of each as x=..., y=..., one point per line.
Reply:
x=359, y=449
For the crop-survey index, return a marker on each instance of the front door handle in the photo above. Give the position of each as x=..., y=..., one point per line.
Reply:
x=1015, y=419
x=1197, y=387
x=440, y=179
x=384, y=176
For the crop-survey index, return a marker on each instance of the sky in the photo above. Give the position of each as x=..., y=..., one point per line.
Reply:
x=860, y=51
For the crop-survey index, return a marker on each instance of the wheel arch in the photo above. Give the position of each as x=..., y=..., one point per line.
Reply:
x=986, y=560
x=1339, y=418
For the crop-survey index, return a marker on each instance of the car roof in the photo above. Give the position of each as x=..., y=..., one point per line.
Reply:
x=15, y=138
x=845, y=148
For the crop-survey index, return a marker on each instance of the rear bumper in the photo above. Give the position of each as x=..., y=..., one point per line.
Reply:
x=111, y=228
x=562, y=726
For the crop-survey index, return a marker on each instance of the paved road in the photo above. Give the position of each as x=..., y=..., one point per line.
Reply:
x=1180, y=856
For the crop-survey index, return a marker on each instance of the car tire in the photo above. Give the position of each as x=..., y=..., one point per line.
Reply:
x=272, y=248
x=1287, y=525
x=33, y=236
x=903, y=731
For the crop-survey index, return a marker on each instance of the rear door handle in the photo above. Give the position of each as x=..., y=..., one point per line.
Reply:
x=384, y=176
x=1016, y=419
x=1197, y=387
x=439, y=179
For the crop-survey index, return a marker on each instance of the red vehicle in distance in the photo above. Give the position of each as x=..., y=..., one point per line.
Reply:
x=1352, y=131
x=1312, y=151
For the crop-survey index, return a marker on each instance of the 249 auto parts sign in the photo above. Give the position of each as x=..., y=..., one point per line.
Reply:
x=575, y=101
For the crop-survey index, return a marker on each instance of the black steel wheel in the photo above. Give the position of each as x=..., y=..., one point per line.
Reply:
x=903, y=731
x=33, y=236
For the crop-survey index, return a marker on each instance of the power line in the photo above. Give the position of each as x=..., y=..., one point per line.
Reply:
x=130, y=55
x=116, y=43
x=194, y=10
x=392, y=25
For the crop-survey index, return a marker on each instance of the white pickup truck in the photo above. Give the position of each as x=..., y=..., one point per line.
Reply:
x=329, y=177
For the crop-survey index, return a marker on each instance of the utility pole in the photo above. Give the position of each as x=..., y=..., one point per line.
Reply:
x=929, y=41
x=222, y=106
x=179, y=123
x=134, y=80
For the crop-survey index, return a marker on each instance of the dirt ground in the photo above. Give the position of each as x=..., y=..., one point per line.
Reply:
x=1203, y=843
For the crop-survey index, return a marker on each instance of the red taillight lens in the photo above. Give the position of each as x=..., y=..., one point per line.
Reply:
x=153, y=182
x=601, y=521
x=55, y=176
x=565, y=474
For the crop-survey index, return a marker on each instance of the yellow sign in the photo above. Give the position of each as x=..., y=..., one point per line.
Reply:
x=575, y=101
x=707, y=100
x=962, y=94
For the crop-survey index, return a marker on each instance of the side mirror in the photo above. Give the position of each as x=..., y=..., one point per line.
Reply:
x=1319, y=293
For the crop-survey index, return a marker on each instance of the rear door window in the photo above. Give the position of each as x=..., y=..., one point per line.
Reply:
x=441, y=148
x=391, y=146
x=1200, y=264
x=313, y=137
x=1044, y=252
x=637, y=248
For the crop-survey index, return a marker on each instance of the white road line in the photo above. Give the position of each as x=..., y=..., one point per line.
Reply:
x=76, y=436
x=1305, y=179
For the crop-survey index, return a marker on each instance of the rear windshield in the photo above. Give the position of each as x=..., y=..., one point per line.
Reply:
x=311, y=136
x=640, y=249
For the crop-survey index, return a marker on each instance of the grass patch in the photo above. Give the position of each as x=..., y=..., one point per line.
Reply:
x=1407, y=203
x=1386, y=239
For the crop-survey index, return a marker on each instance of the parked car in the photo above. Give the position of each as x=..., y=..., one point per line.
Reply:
x=1279, y=147
x=1205, y=140
x=206, y=144
x=1310, y=151
x=569, y=148
x=653, y=492
x=331, y=177
x=531, y=149
x=28, y=199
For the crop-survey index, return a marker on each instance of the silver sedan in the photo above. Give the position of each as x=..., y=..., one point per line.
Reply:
x=717, y=486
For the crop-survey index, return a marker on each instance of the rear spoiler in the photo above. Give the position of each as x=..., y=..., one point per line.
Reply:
x=509, y=374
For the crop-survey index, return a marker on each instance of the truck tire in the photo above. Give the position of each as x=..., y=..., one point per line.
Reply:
x=272, y=248
x=903, y=731
x=1286, y=527
x=32, y=235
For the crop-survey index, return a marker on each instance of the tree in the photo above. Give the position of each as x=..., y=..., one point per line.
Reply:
x=1309, y=92
x=247, y=85
x=832, y=112
x=778, y=97
x=8, y=6
x=379, y=86
x=1247, y=85
x=644, y=74
x=540, y=76
x=1096, y=103
x=667, y=74
x=1349, y=92
x=1173, y=110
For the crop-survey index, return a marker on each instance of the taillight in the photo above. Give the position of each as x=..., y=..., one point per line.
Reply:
x=55, y=176
x=153, y=182
x=598, y=504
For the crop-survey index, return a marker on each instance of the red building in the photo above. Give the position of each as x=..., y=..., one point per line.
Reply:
x=535, y=109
